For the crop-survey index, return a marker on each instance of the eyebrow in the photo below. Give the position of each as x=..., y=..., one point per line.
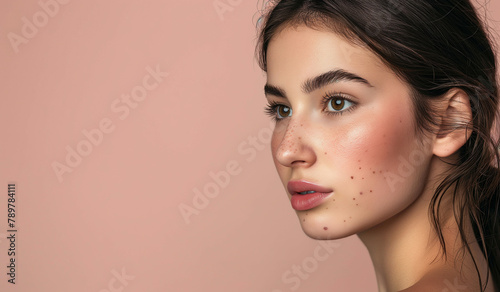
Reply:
x=318, y=82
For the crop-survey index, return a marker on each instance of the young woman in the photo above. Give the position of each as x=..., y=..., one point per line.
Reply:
x=385, y=117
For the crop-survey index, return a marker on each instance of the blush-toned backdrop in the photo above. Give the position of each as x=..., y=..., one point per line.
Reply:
x=135, y=137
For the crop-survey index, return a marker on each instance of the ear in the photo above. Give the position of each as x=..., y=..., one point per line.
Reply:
x=454, y=126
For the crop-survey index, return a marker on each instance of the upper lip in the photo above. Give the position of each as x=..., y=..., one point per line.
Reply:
x=298, y=186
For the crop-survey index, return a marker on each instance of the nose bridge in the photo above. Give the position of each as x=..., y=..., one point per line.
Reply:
x=294, y=146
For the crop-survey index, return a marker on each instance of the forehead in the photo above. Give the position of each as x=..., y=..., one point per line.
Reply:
x=301, y=52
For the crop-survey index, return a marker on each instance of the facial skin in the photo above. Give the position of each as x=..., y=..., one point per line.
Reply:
x=356, y=153
x=382, y=174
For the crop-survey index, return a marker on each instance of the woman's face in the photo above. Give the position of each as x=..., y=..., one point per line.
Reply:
x=349, y=131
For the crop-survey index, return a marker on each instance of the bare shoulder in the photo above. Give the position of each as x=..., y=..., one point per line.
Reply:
x=436, y=285
x=445, y=282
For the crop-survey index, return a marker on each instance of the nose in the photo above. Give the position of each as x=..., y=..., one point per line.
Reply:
x=295, y=149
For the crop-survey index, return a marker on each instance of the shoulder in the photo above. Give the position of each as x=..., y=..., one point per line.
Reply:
x=441, y=281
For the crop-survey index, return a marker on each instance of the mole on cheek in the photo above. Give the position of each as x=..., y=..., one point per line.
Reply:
x=325, y=228
x=352, y=177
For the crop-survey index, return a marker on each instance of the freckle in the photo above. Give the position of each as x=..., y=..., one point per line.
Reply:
x=359, y=160
x=354, y=199
x=303, y=220
x=360, y=168
x=366, y=151
x=362, y=178
x=334, y=200
x=400, y=121
x=360, y=193
x=325, y=153
x=350, y=217
x=356, y=204
x=327, y=208
x=352, y=177
x=301, y=125
x=344, y=220
x=374, y=172
x=384, y=136
x=325, y=228
x=381, y=171
x=370, y=191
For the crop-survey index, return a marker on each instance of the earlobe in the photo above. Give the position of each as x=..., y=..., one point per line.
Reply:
x=455, y=124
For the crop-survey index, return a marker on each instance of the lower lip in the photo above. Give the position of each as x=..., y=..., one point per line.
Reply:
x=308, y=201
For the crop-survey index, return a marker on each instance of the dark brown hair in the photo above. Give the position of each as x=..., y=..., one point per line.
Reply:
x=433, y=46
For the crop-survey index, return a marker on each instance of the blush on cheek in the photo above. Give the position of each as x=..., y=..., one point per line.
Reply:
x=370, y=149
x=382, y=140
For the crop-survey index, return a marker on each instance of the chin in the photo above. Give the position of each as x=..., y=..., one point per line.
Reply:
x=315, y=229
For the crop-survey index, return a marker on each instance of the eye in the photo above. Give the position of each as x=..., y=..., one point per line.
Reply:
x=283, y=111
x=333, y=104
x=277, y=111
x=337, y=103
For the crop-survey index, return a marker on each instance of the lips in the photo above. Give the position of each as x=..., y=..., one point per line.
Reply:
x=306, y=195
x=298, y=186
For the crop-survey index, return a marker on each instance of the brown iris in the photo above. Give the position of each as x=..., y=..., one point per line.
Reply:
x=338, y=104
x=284, y=111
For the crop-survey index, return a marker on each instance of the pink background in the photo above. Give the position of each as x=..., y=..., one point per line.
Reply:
x=118, y=209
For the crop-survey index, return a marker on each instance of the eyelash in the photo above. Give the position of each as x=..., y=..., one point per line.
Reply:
x=270, y=109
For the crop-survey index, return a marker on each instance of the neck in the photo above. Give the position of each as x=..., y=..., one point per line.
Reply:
x=405, y=248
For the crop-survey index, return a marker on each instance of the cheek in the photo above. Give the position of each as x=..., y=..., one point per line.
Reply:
x=359, y=161
x=368, y=155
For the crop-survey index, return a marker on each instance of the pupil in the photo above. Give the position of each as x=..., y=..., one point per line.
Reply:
x=284, y=111
x=338, y=104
